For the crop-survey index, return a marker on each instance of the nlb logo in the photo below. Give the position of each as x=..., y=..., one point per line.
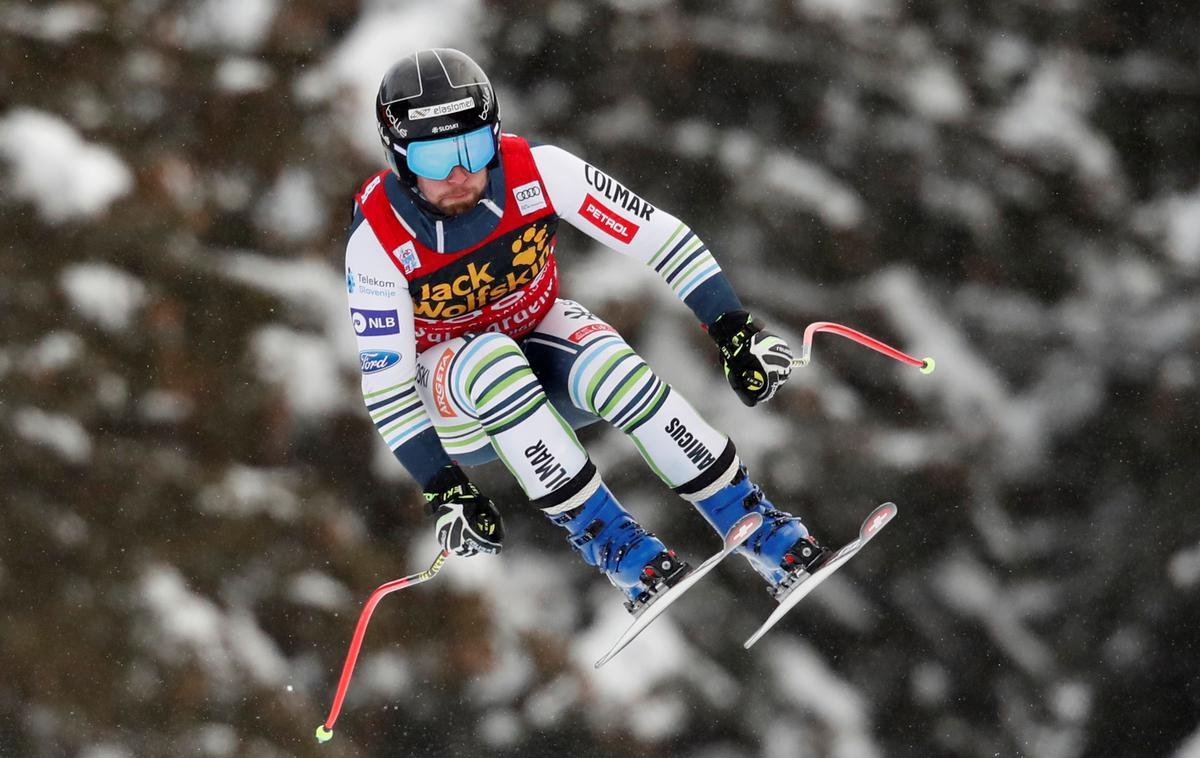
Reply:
x=368, y=323
x=607, y=220
x=374, y=361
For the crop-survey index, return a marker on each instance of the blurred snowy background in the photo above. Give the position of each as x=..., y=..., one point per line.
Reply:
x=194, y=505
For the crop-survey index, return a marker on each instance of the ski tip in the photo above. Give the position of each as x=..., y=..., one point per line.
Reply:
x=879, y=519
x=324, y=735
x=742, y=529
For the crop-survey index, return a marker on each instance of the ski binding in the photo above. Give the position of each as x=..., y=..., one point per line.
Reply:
x=737, y=534
x=873, y=524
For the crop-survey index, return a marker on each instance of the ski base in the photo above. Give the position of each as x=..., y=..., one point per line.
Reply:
x=873, y=524
x=738, y=533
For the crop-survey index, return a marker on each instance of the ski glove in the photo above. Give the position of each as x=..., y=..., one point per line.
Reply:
x=757, y=362
x=467, y=521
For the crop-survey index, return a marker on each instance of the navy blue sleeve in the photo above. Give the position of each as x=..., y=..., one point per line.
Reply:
x=713, y=298
x=422, y=456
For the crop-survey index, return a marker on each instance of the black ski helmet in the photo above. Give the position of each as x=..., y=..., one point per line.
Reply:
x=432, y=94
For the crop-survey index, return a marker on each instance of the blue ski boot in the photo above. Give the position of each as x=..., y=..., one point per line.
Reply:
x=781, y=549
x=635, y=561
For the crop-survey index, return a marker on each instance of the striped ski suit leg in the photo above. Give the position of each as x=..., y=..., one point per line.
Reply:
x=608, y=379
x=480, y=390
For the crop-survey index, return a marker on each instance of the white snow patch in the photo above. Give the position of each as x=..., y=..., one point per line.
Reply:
x=56, y=22
x=103, y=293
x=160, y=406
x=500, y=729
x=238, y=75
x=811, y=187
x=908, y=449
x=303, y=366
x=849, y=12
x=255, y=652
x=307, y=284
x=385, y=31
x=1183, y=229
x=1190, y=748
x=965, y=202
x=212, y=741
x=293, y=208
x=1047, y=120
x=1184, y=568
x=547, y=705
x=802, y=677
x=626, y=688
x=247, y=491
x=61, y=433
x=319, y=590
x=238, y=24
x=976, y=398
x=969, y=589
x=935, y=91
x=1004, y=56
x=54, y=351
x=386, y=676
x=58, y=170
x=105, y=750
x=512, y=668
x=190, y=625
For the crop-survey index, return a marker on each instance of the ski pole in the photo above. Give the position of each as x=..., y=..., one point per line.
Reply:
x=325, y=730
x=927, y=365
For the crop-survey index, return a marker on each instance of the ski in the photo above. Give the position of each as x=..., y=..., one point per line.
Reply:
x=873, y=524
x=737, y=534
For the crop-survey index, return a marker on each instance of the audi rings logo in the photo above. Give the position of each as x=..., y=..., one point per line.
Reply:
x=529, y=197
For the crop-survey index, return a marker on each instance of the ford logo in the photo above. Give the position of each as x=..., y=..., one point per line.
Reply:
x=374, y=361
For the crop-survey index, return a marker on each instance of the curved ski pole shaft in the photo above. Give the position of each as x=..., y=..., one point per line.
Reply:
x=926, y=365
x=325, y=730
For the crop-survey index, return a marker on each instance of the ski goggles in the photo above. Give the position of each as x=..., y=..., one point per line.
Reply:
x=436, y=158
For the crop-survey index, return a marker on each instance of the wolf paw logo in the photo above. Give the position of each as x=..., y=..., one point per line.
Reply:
x=529, y=246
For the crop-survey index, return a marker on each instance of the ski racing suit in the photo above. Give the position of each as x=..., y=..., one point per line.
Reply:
x=468, y=353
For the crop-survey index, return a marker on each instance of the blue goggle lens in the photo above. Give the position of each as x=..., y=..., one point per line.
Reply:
x=435, y=159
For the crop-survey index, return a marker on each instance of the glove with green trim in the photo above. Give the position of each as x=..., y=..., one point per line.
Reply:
x=757, y=362
x=467, y=521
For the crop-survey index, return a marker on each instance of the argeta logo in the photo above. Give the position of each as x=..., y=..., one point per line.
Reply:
x=374, y=361
x=368, y=323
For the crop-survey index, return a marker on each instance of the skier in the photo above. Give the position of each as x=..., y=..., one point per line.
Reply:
x=468, y=353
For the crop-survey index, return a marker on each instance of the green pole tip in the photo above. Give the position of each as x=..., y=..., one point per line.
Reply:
x=323, y=734
x=928, y=366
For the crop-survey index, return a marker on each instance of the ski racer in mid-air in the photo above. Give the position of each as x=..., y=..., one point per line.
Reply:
x=468, y=353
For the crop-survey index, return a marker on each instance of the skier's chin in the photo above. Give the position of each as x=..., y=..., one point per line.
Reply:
x=459, y=203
